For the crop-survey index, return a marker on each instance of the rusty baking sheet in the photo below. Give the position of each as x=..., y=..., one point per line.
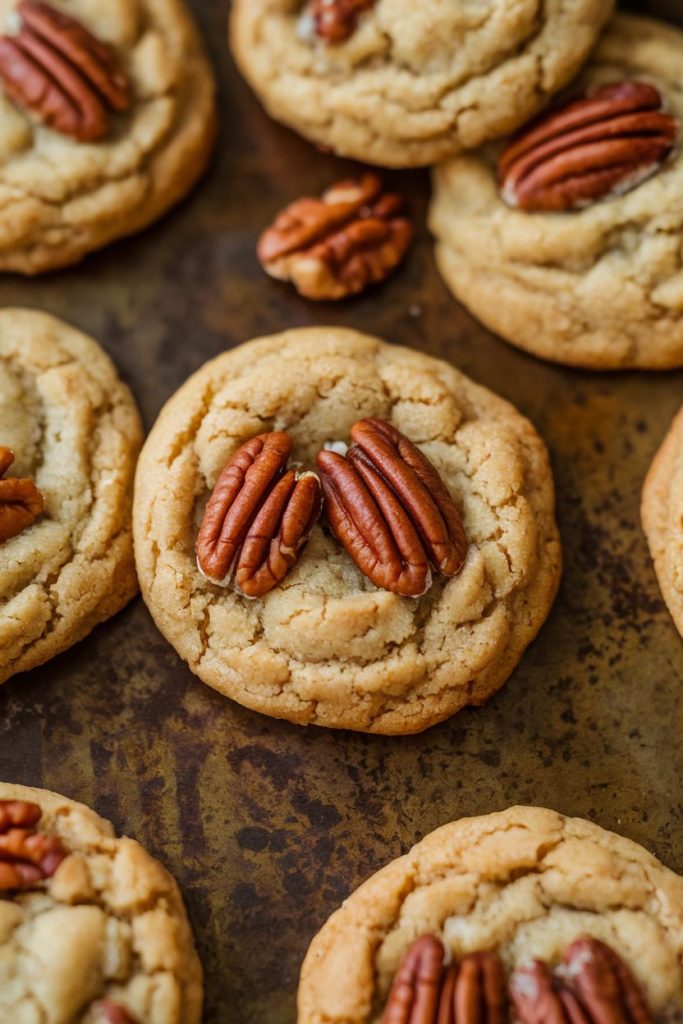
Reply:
x=266, y=825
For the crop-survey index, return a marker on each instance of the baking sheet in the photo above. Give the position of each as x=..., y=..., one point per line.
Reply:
x=268, y=826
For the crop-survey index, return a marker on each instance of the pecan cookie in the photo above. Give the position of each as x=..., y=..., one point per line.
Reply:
x=520, y=887
x=69, y=439
x=662, y=514
x=106, y=120
x=578, y=230
x=405, y=84
x=326, y=645
x=92, y=928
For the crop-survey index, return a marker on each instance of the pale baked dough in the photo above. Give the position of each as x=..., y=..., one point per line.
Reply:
x=75, y=429
x=110, y=924
x=327, y=647
x=417, y=81
x=662, y=514
x=601, y=287
x=525, y=882
x=60, y=198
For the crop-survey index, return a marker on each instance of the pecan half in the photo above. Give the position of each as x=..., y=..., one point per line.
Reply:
x=113, y=1013
x=26, y=855
x=603, y=144
x=473, y=992
x=604, y=984
x=258, y=518
x=335, y=21
x=540, y=997
x=337, y=246
x=414, y=996
x=61, y=74
x=390, y=510
x=20, y=500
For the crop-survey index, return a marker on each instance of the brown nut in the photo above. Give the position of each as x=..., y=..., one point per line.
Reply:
x=540, y=997
x=60, y=74
x=27, y=856
x=258, y=518
x=337, y=246
x=603, y=144
x=473, y=992
x=390, y=510
x=20, y=500
x=113, y=1013
x=414, y=995
x=335, y=21
x=604, y=984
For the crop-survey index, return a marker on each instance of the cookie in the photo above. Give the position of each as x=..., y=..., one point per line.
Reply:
x=326, y=646
x=75, y=176
x=524, y=883
x=599, y=286
x=662, y=515
x=406, y=84
x=96, y=931
x=75, y=433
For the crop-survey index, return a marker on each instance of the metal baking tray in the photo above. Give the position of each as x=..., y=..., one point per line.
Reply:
x=266, y=825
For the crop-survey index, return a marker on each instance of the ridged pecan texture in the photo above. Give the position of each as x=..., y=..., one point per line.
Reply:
x=62, y=75
x=389, y=508
x=335, y=21
x=592, y=986
x=603, y=144
x=27, y=856
x=337, y=246
x=469, y=992
x=258, y=518
x=20, y=500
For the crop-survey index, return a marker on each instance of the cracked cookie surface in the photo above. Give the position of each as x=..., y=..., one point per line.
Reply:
x=416, y=82
x=326, y=646
x=110, y=924
x=600, y=287
x=526, y=882
x=60, y=198
x=662, y=514
x=75, y=430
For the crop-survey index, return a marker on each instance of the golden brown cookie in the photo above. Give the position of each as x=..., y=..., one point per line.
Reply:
x=138, y=153
x=599, y=286
x=75, y=431
x=327, y=646
x=525, y=883
x=406, y=84
x=662, y=514
x=91, y=927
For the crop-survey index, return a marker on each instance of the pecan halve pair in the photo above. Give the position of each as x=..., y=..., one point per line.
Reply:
x=390, y=510
x=61, y=74
x=27, y=856
x=258, y=518
x=602, y=144
x=20, y=500
x=593, y=986
x=469, y=992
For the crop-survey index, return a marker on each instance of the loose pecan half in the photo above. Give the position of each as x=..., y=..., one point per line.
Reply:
x=335, y=21
x=20, y=500
x=337, y=246
x=603, y=144
x=26, y=855
x=604, y=984
x=258, y=518
x=390, y=510
x=58, y=72
x=414, y=996
x=113, y=1013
